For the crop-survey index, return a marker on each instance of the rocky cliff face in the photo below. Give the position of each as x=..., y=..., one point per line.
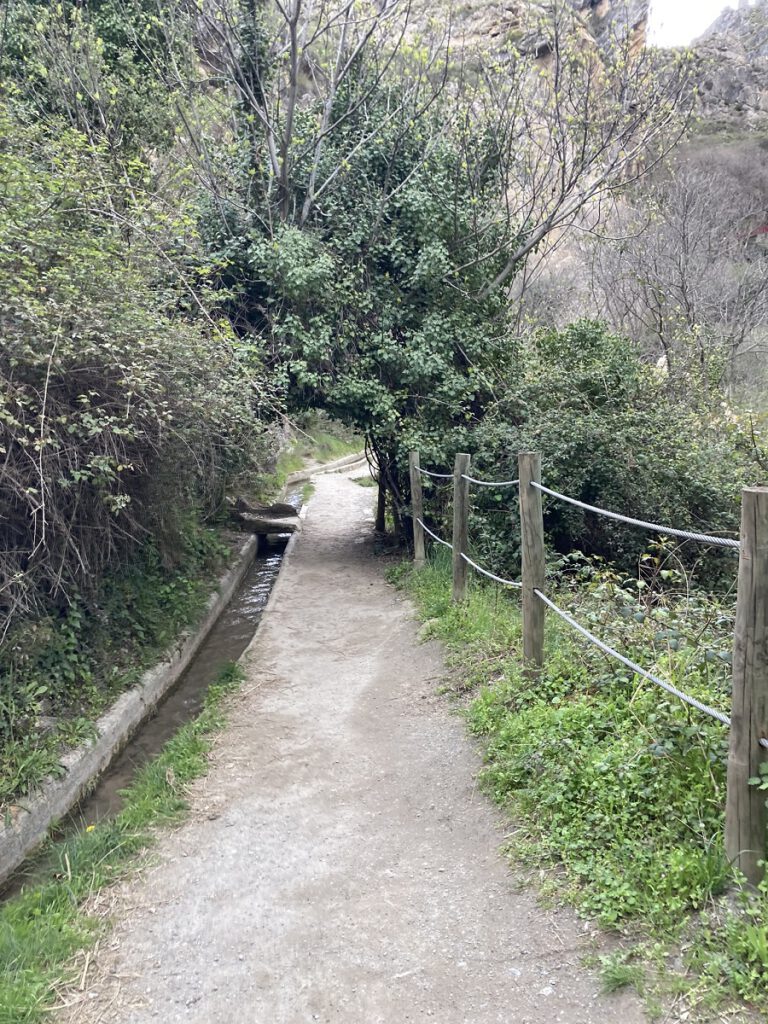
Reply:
x=507, y=26
x=733, y=78
x=746, y=27
x=732, y=56
x=607, y=20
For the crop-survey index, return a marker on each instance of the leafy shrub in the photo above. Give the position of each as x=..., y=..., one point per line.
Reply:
x=125, y=415
x=611, y=434
x=373, y=307
x=106, y=68
x=119, y=412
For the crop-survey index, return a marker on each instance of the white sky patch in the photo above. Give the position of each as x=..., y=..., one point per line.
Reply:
x=679, y=22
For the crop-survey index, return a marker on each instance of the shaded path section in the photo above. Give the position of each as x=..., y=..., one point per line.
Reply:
x=339, y=864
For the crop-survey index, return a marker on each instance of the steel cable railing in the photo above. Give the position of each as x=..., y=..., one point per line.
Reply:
x=637, y=669
x=468, y=560
x=704, y=538
x=490, y=483
x=434, y=536
x=745, y=840
x=436, y=476
x=490, y=575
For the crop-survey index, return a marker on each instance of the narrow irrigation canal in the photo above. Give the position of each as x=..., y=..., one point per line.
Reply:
x=224, y=644
x=228, y=638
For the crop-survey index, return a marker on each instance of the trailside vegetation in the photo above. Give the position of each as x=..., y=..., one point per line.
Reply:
x=119, y=408
x=616, y=790
x=129, y=407
x=216, y=215
x=611, y=433
x=44, y=927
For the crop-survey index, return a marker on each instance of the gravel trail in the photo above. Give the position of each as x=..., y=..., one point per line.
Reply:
x=339, y=864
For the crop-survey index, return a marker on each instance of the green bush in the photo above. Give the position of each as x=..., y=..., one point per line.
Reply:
x=119, y=411
x=372, y=307
x=125, y=416
x=611, y=434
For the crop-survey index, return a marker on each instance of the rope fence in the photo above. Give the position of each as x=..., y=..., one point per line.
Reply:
x=703, y=538
x=637, y=669
x=746, y=814
x=434, y=535
x=490, y=483
x=490, y=575
x=468, y=560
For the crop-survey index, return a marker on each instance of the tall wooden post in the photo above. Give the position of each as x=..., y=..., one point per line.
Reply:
x=745, y=817
x=417, y=509
x=460, y=525
x=532, y=529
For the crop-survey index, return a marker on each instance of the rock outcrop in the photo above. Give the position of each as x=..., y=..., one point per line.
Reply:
x=608, y=20
x=510, y=26
x=746, y=26
x=733, y=70
x=731, y=56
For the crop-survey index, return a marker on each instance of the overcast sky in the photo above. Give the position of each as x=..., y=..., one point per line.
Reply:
x=677, y=22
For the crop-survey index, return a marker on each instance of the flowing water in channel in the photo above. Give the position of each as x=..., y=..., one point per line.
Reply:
x=228, y=638
x=226, y=641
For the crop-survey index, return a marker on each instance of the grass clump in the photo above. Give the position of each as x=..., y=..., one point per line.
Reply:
x=616, y=973
x=616, y=783
x=42, y=928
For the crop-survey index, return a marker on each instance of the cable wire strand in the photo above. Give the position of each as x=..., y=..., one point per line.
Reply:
x=704, y=538
x=490, y=483
x=436, y=476
x=712, y=712
x=468, y=560
x=433, y=535
x=490, y=575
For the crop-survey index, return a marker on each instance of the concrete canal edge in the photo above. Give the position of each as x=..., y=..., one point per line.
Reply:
x=27, y=823
x=338, y=465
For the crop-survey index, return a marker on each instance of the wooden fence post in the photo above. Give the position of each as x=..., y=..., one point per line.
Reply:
x=460, y=525
x=417, y=509
x=745, y=816
x=532, y=530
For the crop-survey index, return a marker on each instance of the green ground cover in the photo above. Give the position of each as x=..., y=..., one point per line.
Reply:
x=42, y=928
x=61, y=671
x=616, y=788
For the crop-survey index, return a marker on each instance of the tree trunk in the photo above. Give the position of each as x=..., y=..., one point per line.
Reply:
x=381, y=507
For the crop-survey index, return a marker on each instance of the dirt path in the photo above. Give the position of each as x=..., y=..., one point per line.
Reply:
x=339, y=865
